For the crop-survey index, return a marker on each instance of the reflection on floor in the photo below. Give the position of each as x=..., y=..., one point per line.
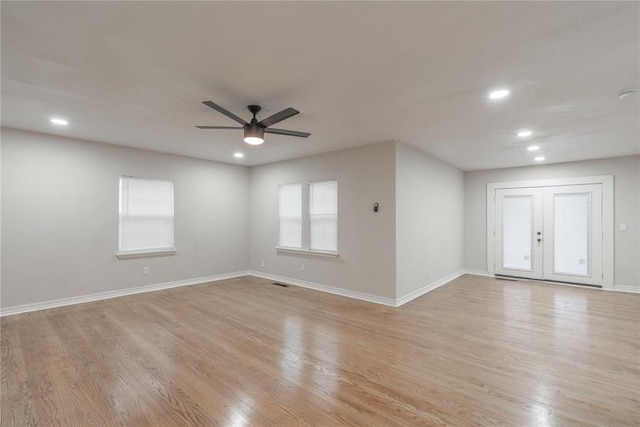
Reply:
x=477, y=351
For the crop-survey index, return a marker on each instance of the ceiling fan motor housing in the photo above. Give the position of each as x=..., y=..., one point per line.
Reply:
x=254, y=130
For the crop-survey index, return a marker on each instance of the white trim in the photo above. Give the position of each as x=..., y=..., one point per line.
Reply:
x=553, y=182
x=25, y=308
x=325, y=288
x=428, y=288
x=607, y=217
x=359, y=295
x=474, y=272
x=143, y=253
x=309, y=252
x=627, y=288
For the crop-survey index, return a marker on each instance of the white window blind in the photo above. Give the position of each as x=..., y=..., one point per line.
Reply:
x=291, y=216
x=323, y=216
x=146, y=214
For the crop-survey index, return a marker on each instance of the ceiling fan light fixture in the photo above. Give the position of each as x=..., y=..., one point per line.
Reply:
x=254, y=131
x=252, y=140
x=253, y=134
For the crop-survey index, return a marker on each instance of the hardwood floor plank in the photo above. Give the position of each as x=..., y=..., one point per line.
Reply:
x=477, y=351
x=17, y=407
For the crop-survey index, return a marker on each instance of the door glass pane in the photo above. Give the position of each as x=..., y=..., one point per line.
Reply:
x=517, y=222
x=572, y=236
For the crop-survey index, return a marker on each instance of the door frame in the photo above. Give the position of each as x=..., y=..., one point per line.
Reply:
x=607, y=217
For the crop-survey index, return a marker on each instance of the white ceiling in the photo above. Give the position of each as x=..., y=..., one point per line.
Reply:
x=135, y=73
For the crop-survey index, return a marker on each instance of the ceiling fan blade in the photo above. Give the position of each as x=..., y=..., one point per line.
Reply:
x=287, y=132
x=219, y=127
x=224, y=111
x=278, y=117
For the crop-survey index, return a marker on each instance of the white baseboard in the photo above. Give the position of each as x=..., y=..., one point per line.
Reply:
x=358, y=295
x=114, y=294
x=474, y=272
x=325, y=288
x=25, y=308
x=626, y=288
x=428, y=288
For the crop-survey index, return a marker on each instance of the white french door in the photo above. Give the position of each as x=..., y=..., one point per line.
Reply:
x=518, y=222
x=550, y=233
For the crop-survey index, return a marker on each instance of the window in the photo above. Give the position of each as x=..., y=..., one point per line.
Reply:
x=146, y=215
x=318, y=235
x=323, y=216
x=291, y=216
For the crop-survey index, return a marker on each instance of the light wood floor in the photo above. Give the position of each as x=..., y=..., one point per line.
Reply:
x=477, y=351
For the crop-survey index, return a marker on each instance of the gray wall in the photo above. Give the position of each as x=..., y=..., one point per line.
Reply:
x=366, y=240
x=626, y=171
x=60, y=217
x=429, y=219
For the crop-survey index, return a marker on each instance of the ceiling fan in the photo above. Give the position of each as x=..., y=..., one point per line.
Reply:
x=254, y=131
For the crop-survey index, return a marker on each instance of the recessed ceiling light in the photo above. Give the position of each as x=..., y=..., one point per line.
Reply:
x=499, y=94
x=238, y=155
x=59, y=121
x=539, y=159
x=533, y=147
x=524, y=133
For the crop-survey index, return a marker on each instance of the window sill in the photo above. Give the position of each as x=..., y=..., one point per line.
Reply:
x=307, y=252
x=144, y=253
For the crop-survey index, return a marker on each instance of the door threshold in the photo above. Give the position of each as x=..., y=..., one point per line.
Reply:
x=508, y=278
x=551, y=282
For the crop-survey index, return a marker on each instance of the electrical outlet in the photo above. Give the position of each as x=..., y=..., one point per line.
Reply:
x=301, y=267
x=145, y=270
x=261, y=263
